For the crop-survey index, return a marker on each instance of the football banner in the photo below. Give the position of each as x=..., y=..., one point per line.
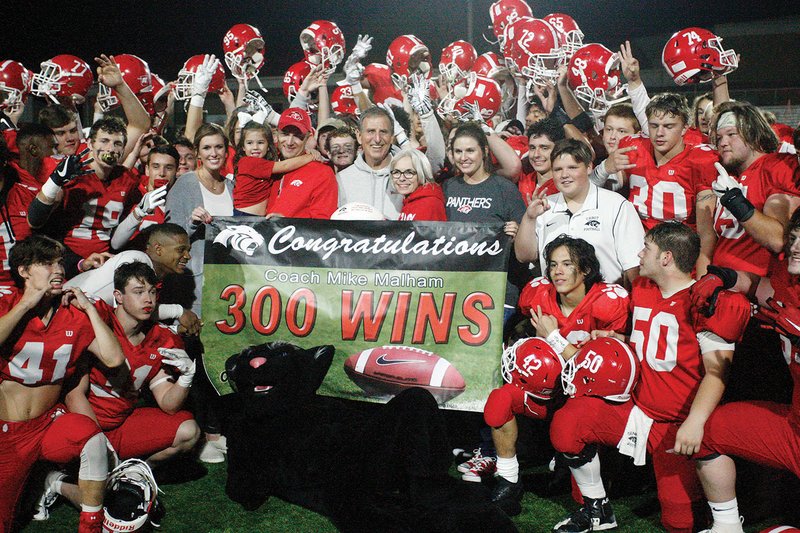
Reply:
x=404, y=303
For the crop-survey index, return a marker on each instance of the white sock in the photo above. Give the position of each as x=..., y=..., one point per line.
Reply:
x=508, y=468
x=726, y=513
x=588, y=479
x=90, y=508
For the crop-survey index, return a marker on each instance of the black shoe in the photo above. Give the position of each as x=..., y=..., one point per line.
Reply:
x=595, y=515
x=508, y=496
x=157, y=513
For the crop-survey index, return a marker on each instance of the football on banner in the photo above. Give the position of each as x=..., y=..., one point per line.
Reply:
x=357, y=211
x=388, y=370
x=781, y=529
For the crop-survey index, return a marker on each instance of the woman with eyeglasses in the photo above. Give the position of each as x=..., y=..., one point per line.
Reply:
x=413, y=178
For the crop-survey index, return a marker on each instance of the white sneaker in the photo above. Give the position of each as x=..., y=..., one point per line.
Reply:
x=49, y=496
x=214, y=451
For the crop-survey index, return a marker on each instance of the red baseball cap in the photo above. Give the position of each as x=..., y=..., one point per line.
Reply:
x=297, y=117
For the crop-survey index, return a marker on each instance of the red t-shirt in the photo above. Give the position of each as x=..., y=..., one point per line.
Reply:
x=310, y=191
x=769, y=174
x=253, y=181
x=668, y=192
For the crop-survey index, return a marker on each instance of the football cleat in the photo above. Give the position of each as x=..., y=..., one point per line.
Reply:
x=49, y=496
x=595, y=515
x=508, y=496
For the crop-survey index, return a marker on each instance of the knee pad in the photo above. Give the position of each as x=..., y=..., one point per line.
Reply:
x=497, y=410
x=94, y=459
x=576, y=461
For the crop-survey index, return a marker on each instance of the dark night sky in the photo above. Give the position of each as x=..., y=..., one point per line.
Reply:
x=165, y=33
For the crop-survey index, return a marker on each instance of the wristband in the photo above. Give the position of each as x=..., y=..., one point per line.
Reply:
x=401, y=138
x=486, y=129
x=583, y=122
x=738, y=206
x=198, y=100
x=185, y=381
x=50, y=189
x=557, y=341
x=80, y=265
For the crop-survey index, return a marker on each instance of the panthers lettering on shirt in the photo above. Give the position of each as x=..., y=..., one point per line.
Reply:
x=465, y=204
x=769, y=174
x=787, y=290
x=114, y=403
x=664, y=334
x=93, y=208
x=605, y=307
x=39, y=354
x=668, y=192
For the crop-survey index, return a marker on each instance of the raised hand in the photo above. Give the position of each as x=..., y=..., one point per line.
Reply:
x=182, y=362
x=108, y=72
x=629, y=64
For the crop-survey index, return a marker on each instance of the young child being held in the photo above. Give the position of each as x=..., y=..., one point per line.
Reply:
x=256, y=162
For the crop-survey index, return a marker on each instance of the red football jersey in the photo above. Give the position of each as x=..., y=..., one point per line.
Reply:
x=311, y=191
x=93, y=208
x=769, y=174
x=528, y=185
x=668, y=192
x=113, y=404
x=787, y=290
x=39, y=354
x=694, y=136
x=13, y=224
x=664, y=334
x=605, y=307
x=253, y=181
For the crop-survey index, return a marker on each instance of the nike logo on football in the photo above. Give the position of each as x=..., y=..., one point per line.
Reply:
x=383, y=361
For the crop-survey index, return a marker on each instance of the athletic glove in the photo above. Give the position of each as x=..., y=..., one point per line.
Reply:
x=731, y=195
x=705, y=291
x=149, y=202
x=182, y=362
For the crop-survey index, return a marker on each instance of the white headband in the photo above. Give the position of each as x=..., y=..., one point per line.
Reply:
x=725, y=120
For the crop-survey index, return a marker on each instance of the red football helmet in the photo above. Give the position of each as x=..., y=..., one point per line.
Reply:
x=604, y=367
x=15, y=83
x=342, y=101
x=533, y=366
x=457, y=60
x=408, y=55
x=505, y=12
x=536, y=50
x=323, y=43
x=485, y=92
x=136, y=74
x=695, y=55
x=570, y=34
x=294, y=77
x=595, y=77
x=381, y=86
x=183, y=87
x=244, y=51
x=64, y=76
x=489, y=65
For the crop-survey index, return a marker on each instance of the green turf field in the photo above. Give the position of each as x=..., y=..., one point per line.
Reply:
x=201, y=507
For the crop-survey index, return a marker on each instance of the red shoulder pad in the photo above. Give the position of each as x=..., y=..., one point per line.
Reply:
x=730, y=318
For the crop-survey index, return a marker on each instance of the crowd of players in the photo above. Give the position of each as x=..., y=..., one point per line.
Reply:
x=644, y=229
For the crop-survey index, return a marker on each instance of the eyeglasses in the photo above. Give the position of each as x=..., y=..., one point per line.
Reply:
x=409, y=174
x=346, y=149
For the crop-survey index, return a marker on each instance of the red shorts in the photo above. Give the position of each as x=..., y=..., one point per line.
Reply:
x=146, y=431
x=756, y=431
x=588, y=420
x=54, y=436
